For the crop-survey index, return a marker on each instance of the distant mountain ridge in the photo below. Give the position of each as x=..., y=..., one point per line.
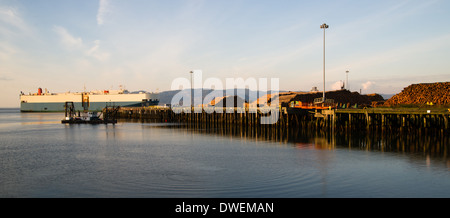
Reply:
x=165, y=97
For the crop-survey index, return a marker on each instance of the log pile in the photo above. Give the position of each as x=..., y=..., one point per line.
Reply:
x=283, y=98
x=341, y=97
x=421, y=94
x=375, y=97
x=222, y=102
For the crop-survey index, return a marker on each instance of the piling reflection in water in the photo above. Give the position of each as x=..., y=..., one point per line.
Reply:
x=433, y=142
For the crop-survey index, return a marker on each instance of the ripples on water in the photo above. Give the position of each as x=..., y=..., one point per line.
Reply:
x=43, y=158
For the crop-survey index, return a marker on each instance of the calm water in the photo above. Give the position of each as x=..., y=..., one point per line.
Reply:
x=40, y=157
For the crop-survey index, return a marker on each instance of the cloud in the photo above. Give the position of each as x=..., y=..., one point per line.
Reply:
x=11, y=23
x=96, y=53
x=13, y=30
x=103, y=9
x=6, y=74
x=11, y=17
x=7, y=50
x=4, y=78
x=76, y=44
x=367, y=85
x=67, y=39
x=337, y=85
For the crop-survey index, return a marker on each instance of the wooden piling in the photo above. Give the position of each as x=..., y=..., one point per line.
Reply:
x=290, y=118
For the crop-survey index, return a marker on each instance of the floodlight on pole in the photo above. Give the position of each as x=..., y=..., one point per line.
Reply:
x=346, y=83
x=324, y=26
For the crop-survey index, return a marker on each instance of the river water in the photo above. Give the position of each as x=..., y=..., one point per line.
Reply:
x=40, y=157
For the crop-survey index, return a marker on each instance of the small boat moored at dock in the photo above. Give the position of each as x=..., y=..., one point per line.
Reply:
x=88, y=117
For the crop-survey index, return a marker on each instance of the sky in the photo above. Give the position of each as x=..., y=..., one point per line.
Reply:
x=71, y=45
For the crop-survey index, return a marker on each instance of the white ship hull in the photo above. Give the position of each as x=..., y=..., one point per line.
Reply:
x=92, y=101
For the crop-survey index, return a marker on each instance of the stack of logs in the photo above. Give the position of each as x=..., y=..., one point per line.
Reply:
x=341, y=96
x=424, y=93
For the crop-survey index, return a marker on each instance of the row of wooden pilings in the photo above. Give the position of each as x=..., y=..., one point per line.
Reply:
x=292, y=117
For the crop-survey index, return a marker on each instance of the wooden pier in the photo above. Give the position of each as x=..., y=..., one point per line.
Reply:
x=367, y=118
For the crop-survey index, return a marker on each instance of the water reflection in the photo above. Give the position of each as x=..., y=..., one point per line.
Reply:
x=433, y=143
x=173, y=160
x=421, y=147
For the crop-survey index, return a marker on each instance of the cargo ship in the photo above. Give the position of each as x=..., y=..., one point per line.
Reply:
x=44, y=101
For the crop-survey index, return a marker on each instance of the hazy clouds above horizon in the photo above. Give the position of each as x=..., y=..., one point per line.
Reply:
x=145, y=45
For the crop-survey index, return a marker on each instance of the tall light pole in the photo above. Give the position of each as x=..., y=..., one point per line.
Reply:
x=192, y=94
x=323, y=26
x=346, y=82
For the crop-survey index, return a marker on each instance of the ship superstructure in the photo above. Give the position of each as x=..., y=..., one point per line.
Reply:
x=90, y=101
